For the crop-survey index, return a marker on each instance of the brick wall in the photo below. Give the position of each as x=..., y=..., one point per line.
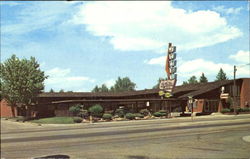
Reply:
x=245, y=93
x=6, y=110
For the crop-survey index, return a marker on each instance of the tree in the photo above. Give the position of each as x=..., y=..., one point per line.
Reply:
x=75, y=109
x=96, y=89
x=185, y=83
x=158, y=83
x=96, y=110
x=61, y=91
x=51, y=90
x=124, y=84
x=221, y=75
x=104, y=88
x=192, y=80
x=21, y=80
x=203, y=78
x=121, y=84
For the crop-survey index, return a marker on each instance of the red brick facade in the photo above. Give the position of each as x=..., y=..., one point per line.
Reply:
x=245, y=93
x=6, y=109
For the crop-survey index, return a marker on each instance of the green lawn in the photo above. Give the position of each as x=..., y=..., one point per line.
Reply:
x=54, y=120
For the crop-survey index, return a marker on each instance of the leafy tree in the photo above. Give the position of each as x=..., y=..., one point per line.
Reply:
x=124, y=84
x=51, y=90
x=158, y=83
x=75, y=109
x=104, y=88
x=112, y=89
x=203, y=78
x=221, y=75
x=192, y=80
x=96, y=89
x=61, y=91
x=185, y=83
x=21, y=80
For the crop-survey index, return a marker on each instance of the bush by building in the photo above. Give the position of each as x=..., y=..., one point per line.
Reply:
x=145, y=112
x=120, y=112
x=225, y=110
x=77, y=119
x=130, y=116
x=139, y=115
x=157, y=114
x=96, y=110
x=245, y=109
x=75, y=109
x=84, y=114
x=107, y=116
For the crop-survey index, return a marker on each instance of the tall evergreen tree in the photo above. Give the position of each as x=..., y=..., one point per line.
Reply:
x=192, y=80
x=185, y=83
x=61, y=91
x=203, y=78
x=221, y=75
x=96, y=89
x=104, y=88
x=51, y=90
x=22, y=81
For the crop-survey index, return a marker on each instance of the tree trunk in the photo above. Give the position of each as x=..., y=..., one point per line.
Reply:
x=28, y=114
x=13, y=111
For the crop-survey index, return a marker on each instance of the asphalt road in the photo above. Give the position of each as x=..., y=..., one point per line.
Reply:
x=204, y=137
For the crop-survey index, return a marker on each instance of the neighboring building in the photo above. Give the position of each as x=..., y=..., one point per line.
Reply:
x=206, y=97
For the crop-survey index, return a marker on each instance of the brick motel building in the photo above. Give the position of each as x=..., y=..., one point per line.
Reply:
x=205, y=96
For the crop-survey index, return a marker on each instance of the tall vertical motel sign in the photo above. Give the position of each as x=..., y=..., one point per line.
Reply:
x=167, y=86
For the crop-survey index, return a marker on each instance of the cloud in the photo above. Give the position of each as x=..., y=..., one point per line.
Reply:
x=241, y=57
x=11, y=4
x=198, y=66
x=60, y=79
x=156, y=61
x=109, y=83
x=151, y=25
x=224, y=10
x=38, y=15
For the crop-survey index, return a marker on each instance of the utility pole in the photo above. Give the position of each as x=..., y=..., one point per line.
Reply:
x=234, y=91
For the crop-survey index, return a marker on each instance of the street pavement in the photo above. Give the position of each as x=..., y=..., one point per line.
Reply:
x=222, y=136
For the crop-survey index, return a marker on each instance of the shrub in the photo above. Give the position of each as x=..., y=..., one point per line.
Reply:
x=238, y=109
x=163, y=114
x=145, y=112
x=130, y=116
x=245, y=109
x=225, y=110
x=159, y=114
x=77, y=119
x=84, y=114
x=107, y=116
x=139, y=115
x=120, y=112
x=109, y=112
x=96, y=110
x=163, y=111
x=231, y=109
x=75, y=109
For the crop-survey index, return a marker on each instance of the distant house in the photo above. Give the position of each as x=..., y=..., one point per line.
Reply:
x=205, y=96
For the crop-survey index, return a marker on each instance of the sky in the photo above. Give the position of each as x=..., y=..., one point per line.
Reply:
x=80, y=44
